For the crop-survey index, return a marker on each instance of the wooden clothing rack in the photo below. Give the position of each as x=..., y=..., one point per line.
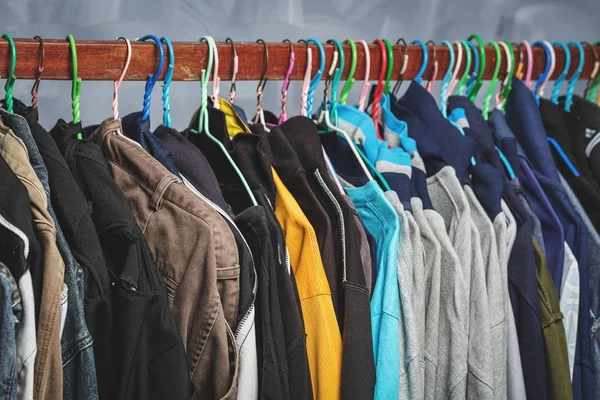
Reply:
x=102, y=60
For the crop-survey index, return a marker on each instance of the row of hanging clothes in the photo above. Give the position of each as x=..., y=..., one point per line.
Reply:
x=397, y=249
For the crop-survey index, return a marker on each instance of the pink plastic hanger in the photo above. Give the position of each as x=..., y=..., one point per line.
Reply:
x=457, y=65
x=528, y=81
x=435, y=69
x=117, y=84
x=216, y=80
x=364, y=92
x=286, y=83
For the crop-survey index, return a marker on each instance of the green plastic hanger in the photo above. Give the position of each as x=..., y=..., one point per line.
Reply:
x=10, y=80
x=507, y=83
x=479, y=81
x=350, y=80
x=76, y=85
x=594, y=81
x=494, y=82
x=390, y=66
x=462, y=84
x=203, y=116
x=337, y=77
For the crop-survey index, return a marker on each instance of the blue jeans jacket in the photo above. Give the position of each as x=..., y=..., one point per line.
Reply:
x=10, y=315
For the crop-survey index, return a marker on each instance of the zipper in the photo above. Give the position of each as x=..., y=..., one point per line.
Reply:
x=340, y=216
x=228, y=218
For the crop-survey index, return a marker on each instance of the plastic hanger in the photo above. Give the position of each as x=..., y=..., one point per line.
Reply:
x=214, y=97
x=75, y=86
x=527, y=76
x=167, y=83
x=10, y=80
x=260, y=88
x=538, y=84
x=450, y=76
x=232, y=91
x=493, y=83
x=506, y=85
x=317, y=78
x=434, y=71
x=364, y=91
x=350, y=80
x=38, y=73
x=592, y=80
x=286, y=82
x=462, y=83
x=419, y=77
x=203, y=126
x=390, y=66
x=324, y=116
x=337, y=76
x=305, y=80
x=473, y=75
x=447, y=76
x=476, y=86
x=573, y=80
x=552, y=66
x=379, y=87
x=152, y=78
x=563, y=75
x=403, y=67
x=117, y=84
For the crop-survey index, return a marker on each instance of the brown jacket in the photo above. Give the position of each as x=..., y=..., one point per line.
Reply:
x=195, y=252
x=48, y=373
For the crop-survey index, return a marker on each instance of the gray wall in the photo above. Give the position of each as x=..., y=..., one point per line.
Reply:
x=248, y=20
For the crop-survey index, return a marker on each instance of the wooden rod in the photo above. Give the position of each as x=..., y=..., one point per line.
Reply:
x=102, y=60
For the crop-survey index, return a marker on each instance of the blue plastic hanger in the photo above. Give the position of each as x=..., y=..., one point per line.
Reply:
x=447, y=79
x=573, y=80
x=317, y=78
x=564, y=157
x=167, y=83
x=152, y=78
x=563, y=75
x=419, y=77
x=542, y=78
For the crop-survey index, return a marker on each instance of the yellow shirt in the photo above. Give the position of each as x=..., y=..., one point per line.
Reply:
x=323, y=340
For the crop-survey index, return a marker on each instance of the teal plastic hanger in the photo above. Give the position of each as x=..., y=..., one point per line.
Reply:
x=559, y=81
x=479, y=81
x=564, y=156
x=507, y=166
x=447, y=78
x=419, y=77
x=573, y=80
x=337, y=76
x=10, y=80
x=350, y=81
x=494, y=82
x=203, y=126
x=167, y=83
x=460, y=89
x=75, y=86
x=317, y=78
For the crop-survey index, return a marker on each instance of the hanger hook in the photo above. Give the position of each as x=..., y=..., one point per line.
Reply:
x=561, y=78
x=336, y=79
x=380, y=86
x=263, y=78
x=152, y=78
x=204, y=78
x=390, y=66
x=305, y=80
x=117, y=84
x=476, y=85
x=434, y=71
x=286, y=82
x=167, y=83
x=214, y=97
x=529, y=51
x=488, y=95
x=317, y=78
x=364, y=92
x=573, y=80
x=232, y=89
x=594, y=73
x=10, y=80
x=350, y=80
x=403, y=67
x=76, y=85
x=506, y=85
x=419, y=77
x=447, y=77
x=457, y=65
x=38, y=73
